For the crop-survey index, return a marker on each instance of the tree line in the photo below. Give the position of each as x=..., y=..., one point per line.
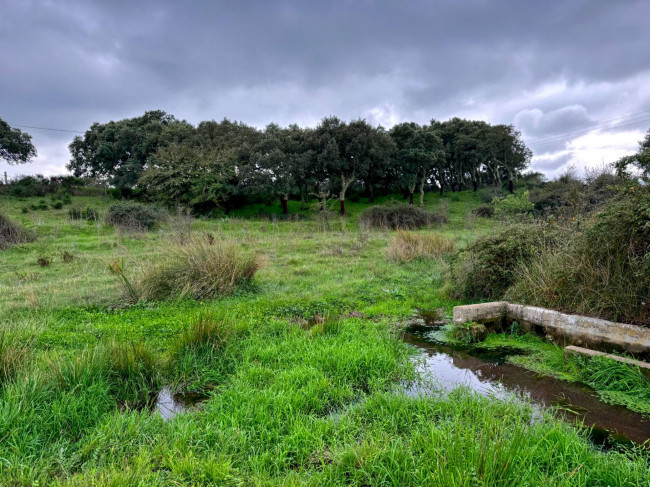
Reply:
x=220, y=164
x=226, y=164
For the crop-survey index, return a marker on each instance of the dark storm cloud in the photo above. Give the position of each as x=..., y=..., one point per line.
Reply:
x=551, y=68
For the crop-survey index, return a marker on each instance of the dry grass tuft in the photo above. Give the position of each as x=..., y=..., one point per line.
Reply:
x=197, y=269
x=408, y=246
x=11, y=233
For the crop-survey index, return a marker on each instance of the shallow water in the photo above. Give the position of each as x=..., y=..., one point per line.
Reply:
x=490, y=375
x=169, y=404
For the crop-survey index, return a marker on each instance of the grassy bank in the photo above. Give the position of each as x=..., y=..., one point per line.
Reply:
x=300, y=366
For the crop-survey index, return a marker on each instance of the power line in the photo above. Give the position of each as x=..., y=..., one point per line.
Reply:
x=47, y=128
x=568, y=136
x=590, y=125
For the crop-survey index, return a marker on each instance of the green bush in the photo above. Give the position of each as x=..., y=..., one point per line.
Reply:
x=57, y=205
x=513, y=205
x=601, y=270
x=403, y=217
x=41, y=205
x=487, y=268
x=132, y=215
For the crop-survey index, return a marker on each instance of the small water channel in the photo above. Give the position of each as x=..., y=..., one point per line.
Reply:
x=489, y=374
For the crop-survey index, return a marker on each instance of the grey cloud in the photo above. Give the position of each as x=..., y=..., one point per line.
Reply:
x=68, y=63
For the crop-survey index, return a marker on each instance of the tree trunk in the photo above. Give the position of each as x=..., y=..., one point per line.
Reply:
x=302, y=198
x=342, y=207
x=371, y=199
x=283, y=201
x=422, y=192
x=511, y=186
x=410, y=198
x=475, y=184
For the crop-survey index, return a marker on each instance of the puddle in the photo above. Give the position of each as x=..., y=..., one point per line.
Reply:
x=169, y=404
x=489, y=374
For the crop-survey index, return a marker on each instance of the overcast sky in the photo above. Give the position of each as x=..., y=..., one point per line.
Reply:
x=573, y=76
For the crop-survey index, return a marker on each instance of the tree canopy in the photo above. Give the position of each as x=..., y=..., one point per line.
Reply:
x=15, y=145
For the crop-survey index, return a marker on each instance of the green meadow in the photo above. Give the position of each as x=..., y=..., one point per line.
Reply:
x=301, y=368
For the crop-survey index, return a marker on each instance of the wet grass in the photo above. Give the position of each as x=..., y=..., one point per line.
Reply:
x=299, y=369
x=614, y=382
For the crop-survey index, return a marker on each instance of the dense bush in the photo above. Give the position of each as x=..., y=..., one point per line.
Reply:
x=197, y=269
x=487, y=268
x=484, y=211
x=132, y=215
x=11, y=233
x=602, y=270
x=404, y=217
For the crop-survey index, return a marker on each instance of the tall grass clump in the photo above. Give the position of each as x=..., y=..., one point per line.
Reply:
x=13, y=355
x=408, y=246
x=11, y=233
x=200, y=355
x=601, y=270
x=133, y=216
x=129, y=371
x=403, y=217
x=197, y=269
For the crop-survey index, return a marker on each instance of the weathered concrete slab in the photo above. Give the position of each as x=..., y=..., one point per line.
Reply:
x=574, y=329
x=643, y=366
x=481, y=313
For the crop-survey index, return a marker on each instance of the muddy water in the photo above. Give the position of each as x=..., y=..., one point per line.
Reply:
x=490, y=375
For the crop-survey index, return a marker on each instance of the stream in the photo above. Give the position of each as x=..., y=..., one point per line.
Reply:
x=489, y=374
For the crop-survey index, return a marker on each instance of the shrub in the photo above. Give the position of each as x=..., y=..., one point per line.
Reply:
x=603, y=270
x=57, y=205
x=90, y=214
x=404, y=217
x=484, y=211
x=408, y=246
x=487, y=267
x=196, y=269
x=12, y=233
x=75, y=213
x=67, y=257
x=44, y=261
x=513, y=205
x=132, y=215
x=41, y=205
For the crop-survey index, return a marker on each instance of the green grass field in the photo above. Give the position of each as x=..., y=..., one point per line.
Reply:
x=301, y=382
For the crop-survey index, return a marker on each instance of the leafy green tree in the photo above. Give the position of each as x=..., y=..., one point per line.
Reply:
x=15, y=145
x=419, y=151
x=178, y=174
x=640, y=160
x=278, y=163
x=118, y=151
x=347, y=151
